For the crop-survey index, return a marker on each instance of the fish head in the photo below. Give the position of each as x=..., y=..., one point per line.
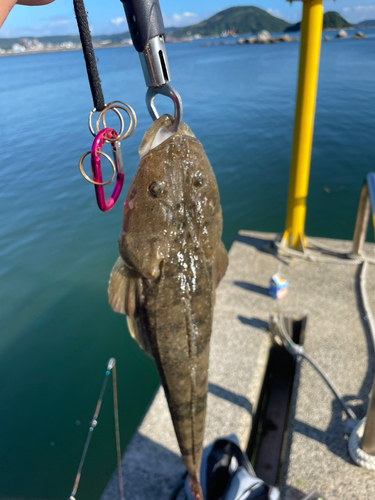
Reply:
x=172, y=202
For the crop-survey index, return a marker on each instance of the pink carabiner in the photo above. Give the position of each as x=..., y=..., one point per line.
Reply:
x=100, y=139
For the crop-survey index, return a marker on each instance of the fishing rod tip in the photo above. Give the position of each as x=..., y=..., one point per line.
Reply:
x=111, y=363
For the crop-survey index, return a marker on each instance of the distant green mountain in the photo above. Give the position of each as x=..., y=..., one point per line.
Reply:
x=331, y=20
x=370, y=24
x=242, y=19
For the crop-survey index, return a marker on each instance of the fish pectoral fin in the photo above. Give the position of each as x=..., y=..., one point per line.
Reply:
x=125, y=297
x=122, y=288
x=220, y=264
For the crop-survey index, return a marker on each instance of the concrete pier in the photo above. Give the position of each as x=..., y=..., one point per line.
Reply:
x=337, y=337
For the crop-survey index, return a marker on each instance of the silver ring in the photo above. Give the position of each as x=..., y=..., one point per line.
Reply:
x=170, y=92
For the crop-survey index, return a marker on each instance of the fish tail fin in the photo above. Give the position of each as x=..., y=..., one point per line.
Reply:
x=195, y=487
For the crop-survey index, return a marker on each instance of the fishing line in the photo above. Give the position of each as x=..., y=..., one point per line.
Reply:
x=89, y=55
x=111, y=368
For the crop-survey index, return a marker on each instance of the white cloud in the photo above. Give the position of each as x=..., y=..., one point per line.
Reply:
x=54, y=25
x=359, y=13
x=118, y=20
x=184, y=19
x=365, y=8
x=189, y=14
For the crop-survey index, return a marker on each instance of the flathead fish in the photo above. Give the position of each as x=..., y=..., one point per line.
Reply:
x=171, y=260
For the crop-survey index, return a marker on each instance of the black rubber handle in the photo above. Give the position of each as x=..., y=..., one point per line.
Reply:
x=144, y=20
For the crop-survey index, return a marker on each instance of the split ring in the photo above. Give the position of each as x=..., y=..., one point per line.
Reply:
x=128, y=110
x=122, y=125
x=80, y=164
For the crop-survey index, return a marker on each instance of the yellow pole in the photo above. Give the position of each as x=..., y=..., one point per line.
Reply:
x=311, y=34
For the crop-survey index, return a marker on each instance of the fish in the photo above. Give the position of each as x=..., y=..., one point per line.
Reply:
x=171, y=261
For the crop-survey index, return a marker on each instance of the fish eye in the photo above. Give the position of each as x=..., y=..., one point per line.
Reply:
x=198, y=178
x=156, y=189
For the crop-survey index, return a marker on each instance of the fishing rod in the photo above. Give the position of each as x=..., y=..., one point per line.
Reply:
x=146, y=28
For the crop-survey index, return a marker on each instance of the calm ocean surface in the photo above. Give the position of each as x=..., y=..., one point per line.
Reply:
x=57, y=248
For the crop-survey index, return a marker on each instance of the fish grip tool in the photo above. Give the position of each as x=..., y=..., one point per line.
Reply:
x=105, y=134
x=111, y=369
x=146, y=28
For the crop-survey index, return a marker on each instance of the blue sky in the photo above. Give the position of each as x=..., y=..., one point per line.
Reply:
x=108, y=17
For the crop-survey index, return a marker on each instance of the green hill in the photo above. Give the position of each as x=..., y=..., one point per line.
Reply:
x=242, y=19
x=331, y=20
x=369, y=24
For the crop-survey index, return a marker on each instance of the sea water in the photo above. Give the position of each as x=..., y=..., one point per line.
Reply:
x=57, y=249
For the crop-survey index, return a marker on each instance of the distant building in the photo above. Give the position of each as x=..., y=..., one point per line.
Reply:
x=37, y=45
x=229, y=32
x=67, y=45
x=31, y=44
x=18, y=48
x=26, y=42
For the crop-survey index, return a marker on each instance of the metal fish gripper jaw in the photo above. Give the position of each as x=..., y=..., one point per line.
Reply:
x=147, y=31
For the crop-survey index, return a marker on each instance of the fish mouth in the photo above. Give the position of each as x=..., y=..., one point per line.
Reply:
x=161, y=130
x=158, y=135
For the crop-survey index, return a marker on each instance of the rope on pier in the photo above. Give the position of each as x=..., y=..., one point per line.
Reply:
x=359, y=456
x=365, y=302
x=335, y=258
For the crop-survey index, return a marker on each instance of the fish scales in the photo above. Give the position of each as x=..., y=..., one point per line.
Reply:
x=172, y=259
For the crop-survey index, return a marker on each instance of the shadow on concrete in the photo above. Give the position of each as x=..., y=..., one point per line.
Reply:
x=296, y=494
x=251, y=287
x=151, y=471
x=230, y=396
x=264, y=245
x=255, y=322
x=261, y=244
x=334, y=437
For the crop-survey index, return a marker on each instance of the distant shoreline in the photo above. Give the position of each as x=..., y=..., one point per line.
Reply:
x=74, y=49
x=48, y=51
